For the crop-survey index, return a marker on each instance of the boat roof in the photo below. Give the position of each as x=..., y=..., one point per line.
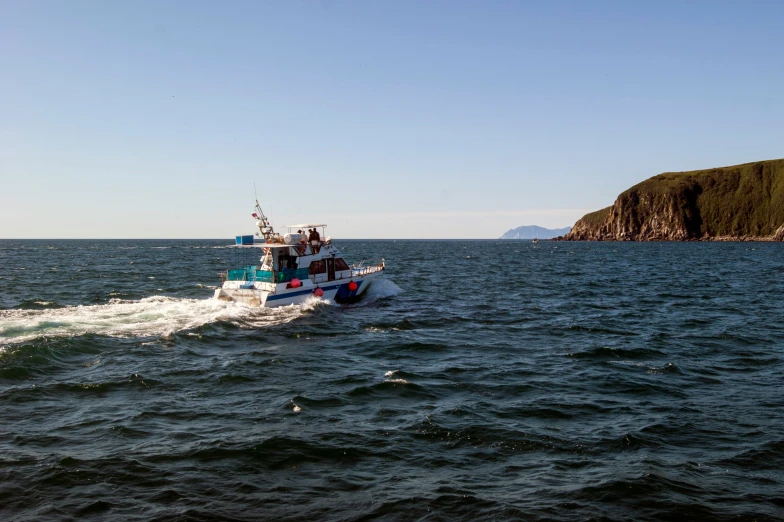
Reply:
x=306, y=225
x=263, y=245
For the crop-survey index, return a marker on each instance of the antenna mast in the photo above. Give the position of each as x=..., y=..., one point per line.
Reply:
x=265, y=229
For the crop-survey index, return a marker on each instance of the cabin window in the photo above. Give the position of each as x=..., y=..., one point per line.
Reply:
x=317, y=267
x=286, y=262
x=340, y=265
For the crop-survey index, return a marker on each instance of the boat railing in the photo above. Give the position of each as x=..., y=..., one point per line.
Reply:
x=288, y=274
x=252, y=274
x=362, y=270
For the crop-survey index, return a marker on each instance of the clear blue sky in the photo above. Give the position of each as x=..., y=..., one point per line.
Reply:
x=383, y=119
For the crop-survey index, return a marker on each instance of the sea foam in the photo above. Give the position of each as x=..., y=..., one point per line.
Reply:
x=151, y=316
x=381, y=288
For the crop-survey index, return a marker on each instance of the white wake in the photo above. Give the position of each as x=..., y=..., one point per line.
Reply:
x=151, y=316
x=381, y=288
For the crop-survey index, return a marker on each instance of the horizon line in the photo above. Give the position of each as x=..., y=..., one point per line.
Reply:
x=221, y=239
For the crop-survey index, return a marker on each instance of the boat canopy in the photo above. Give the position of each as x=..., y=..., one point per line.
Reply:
x=263, y=245
x=305, y=225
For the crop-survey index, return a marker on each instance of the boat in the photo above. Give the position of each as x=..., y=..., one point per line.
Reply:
x=290, y=269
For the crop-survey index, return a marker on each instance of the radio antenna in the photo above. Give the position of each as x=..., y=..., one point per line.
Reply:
x=265, y=228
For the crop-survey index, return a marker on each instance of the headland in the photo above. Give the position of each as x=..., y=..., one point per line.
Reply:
x=738, y=203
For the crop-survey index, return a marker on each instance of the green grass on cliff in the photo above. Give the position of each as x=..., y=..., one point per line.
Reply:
x=596, y=218
x=742, y=200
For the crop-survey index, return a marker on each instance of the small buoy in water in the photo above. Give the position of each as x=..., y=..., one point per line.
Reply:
x=319, y=292
x=352, y=286
x=296, y=283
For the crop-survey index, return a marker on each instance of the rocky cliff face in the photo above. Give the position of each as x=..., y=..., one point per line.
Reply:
x=637, y=216
x=741, y=202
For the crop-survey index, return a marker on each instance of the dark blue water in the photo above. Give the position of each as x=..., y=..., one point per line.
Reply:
x=480, y=380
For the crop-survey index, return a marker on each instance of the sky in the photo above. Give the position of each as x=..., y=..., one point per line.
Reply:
x=395, y=119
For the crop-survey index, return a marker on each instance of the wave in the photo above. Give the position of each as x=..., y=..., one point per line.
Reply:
x=278, y=452
x=151, y=316
x=392, y=388
x=378, y=290
x=381, y=288
x=37, y=304
x=606, y=352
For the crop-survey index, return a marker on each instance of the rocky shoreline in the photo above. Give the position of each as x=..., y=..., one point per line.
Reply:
x=725, y=239
x=739, y=203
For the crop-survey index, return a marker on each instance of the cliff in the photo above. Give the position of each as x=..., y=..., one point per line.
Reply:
x=743, y=202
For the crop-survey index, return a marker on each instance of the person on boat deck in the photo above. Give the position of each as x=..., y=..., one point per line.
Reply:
x=303, y=242
x=314, y=240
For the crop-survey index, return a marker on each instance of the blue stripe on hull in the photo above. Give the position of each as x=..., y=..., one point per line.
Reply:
x=288, y=294
x=345, y=293
x=299, y=292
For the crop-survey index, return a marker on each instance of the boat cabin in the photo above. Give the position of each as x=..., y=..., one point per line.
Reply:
x=294, y=258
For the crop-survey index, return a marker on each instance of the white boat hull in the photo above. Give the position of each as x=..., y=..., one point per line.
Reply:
x=271, y=295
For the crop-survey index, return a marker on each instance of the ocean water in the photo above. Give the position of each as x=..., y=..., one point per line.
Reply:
x=478, y=380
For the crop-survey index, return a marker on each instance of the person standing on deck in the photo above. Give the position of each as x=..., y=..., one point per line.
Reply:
x=303, y=242
x=314, y=240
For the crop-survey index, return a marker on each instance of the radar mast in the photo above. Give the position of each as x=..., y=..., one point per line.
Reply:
x=265, y=229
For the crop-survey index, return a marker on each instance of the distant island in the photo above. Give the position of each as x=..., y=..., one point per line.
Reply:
x=738, y=203
x=534, y=232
